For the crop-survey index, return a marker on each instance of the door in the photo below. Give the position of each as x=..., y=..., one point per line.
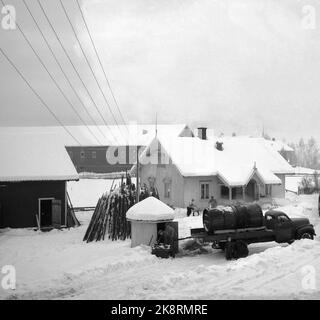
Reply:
x=56, y=213
x=45, y=212
x=283, y=228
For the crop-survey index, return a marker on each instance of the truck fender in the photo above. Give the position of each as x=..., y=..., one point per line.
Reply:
x=307, y=228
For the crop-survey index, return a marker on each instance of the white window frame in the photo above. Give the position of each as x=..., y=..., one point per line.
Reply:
x=268, y=190
x=94, y=154
x=169, y=184
x=206, y=194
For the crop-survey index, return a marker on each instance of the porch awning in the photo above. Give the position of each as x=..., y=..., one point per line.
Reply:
x=267, y=177
x=241, y=176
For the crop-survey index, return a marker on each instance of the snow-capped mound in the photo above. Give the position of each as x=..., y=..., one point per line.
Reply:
x=150, y=209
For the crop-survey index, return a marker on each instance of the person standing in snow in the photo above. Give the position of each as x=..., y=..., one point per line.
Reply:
x=190, y=208
x=168, y=237
x=212, y=203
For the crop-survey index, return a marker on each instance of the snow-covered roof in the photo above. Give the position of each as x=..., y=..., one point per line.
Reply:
x=279, y=145
x=240, y=159
x=150, y=209
x=305, y=171
x=132, y=134
x=34, y=157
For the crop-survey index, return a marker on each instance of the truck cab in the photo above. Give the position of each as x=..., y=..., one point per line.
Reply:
x=288, y=229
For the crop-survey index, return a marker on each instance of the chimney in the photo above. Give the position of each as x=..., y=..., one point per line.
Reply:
x=202, y=133
x=219, y=145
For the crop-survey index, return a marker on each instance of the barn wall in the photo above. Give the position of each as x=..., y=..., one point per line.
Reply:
x=19, y=201
x=99, y=164
x=279, y=191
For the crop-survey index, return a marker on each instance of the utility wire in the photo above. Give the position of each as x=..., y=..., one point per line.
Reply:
x=45, y=67
x=38, y=95
x=89, y=65
x=101, y=65
x=66, y=77
x=74, y=68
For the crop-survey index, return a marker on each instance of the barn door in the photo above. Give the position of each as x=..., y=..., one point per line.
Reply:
x=56, y=213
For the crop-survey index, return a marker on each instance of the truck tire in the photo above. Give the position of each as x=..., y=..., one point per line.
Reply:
x=229, y=250
x=241, y=249
x=306, y=235
x=222, y=245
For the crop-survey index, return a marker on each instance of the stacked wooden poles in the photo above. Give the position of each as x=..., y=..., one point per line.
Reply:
x=110, y=215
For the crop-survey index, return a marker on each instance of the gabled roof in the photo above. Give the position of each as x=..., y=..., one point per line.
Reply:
x=132, y=134
x=305, y=171
x=34, y=157
x=240, y=159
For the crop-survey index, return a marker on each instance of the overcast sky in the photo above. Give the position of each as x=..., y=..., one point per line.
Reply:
x=231, y=65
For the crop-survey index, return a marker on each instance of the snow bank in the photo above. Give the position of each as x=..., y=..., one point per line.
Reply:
x=58, y=265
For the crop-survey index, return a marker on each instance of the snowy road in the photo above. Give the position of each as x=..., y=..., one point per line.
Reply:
x=58, y=265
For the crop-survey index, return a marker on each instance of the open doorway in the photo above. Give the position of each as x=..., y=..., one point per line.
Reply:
x=45, y=212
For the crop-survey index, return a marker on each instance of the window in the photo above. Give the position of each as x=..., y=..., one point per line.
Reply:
x=224, y=192
x=283, y=218
x=167, y=189
x=82, y=154
x=94, y=154
x=268, y=190
x=236, y=193
x=204, y=190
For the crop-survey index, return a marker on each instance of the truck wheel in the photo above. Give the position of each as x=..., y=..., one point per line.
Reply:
x=229, y=250
x=241, y=249
x=222, y=245
x=306, y=235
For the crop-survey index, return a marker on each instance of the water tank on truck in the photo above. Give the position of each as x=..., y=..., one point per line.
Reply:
x=233, y=217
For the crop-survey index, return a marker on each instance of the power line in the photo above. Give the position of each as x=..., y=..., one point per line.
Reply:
x=74, y=68
x=46, y=69
x=88, y=63
x=37, y=95
x=63, y=72
x=101, y=65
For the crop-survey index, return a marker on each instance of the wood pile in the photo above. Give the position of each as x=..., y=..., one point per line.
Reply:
x=109, y=216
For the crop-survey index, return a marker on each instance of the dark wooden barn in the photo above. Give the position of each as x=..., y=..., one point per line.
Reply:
x=33, y=174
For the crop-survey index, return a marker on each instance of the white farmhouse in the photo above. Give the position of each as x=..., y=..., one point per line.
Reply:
x=238, y=169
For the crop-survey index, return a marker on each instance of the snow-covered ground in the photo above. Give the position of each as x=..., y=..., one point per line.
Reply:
x=58, y=265
x=86, y=192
